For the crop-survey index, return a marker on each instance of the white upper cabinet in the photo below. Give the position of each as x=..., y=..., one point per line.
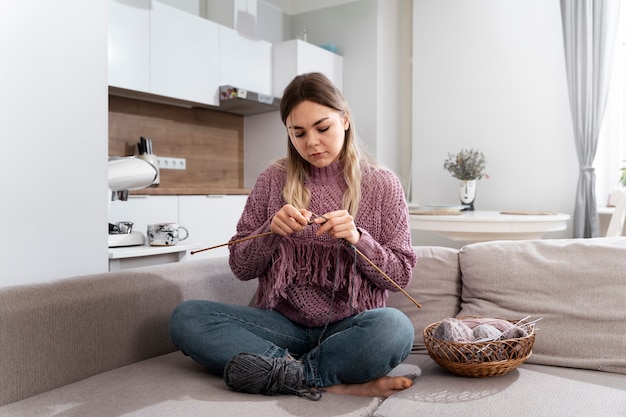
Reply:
x=184, y=61
x=294, y=57
x=129, y=44
x=245, y=63
x=158, y=49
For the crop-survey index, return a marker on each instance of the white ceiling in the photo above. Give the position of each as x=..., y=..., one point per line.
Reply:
x=292, y=7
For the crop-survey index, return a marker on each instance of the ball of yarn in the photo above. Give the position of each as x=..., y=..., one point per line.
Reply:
x=453, y=330
x=499, y=324
x=486, y=332
x=513, y=333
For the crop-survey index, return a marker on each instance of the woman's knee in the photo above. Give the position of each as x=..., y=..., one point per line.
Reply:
x=184, y=311
x=185, y=317
x=394, y=328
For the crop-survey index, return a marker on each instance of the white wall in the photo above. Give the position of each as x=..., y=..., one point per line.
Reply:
x=53, y=102
x=393, y=96
x=265, y=140
x=490, y=74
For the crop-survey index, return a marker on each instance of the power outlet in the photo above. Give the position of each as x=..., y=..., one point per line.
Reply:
x=166, y=162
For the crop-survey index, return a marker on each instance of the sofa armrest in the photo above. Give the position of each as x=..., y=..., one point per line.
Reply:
x=55, y=333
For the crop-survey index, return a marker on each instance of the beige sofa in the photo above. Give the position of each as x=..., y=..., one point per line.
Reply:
x=97, y=345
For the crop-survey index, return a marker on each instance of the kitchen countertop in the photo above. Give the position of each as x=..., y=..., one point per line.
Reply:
x=146, y=250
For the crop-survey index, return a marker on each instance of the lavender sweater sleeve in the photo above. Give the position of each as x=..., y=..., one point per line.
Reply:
x=386, y=240
x=252, y=258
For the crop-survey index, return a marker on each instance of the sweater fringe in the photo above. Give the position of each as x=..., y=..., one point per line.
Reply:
x=323, y=270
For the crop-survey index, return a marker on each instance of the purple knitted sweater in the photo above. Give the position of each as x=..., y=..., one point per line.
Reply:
x=297, y=273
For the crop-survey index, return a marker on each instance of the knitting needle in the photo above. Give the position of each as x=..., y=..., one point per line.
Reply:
x=380, y=271
x=387, y=278
x=245, y=238
x=232, y=242
x=361, y=254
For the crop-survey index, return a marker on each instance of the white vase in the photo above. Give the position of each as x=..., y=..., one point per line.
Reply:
x=467, y=193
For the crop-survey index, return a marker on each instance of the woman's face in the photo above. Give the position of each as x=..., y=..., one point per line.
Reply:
x=317, y=132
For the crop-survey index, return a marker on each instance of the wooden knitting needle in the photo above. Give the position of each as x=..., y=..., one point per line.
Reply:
x=245, y=238
x=387, y=277
x=193, y=252
x=361, y=254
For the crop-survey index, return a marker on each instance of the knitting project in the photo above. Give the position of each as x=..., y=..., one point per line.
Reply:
x=296, y=272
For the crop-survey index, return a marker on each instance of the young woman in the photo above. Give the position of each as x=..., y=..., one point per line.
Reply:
x=320, y=321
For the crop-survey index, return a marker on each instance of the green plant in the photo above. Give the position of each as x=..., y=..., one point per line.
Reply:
x=466, y=165
x=622, y=179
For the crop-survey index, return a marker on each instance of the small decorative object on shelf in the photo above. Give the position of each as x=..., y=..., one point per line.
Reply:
x=467, y=166
x=622, y=179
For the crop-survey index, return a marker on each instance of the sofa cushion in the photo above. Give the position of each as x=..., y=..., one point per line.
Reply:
x=578, y=286
x=435, y=285
x=530, y=390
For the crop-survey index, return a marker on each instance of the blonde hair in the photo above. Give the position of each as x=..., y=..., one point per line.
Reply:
x=318, y=88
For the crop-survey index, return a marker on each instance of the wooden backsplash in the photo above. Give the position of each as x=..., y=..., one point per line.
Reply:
x=210, y=141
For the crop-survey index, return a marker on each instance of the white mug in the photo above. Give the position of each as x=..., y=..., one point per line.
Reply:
x=165, y=234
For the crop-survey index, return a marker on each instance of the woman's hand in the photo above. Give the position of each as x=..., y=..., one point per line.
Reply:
x=289, y=220
x=338, y=224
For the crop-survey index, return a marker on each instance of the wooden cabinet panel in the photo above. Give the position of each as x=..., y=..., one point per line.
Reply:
x=210, y=141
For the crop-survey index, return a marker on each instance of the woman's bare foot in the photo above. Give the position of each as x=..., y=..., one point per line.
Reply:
x=381, y=387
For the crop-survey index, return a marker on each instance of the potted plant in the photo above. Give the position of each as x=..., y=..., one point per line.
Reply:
x=468, y=166
x=622, y=179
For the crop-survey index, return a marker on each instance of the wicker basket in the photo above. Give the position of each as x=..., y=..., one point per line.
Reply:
x=479, y=359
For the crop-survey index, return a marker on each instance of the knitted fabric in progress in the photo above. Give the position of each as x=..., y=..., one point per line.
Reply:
x=296, y=272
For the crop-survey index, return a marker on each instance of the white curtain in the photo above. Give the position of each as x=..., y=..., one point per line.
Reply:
x=589, y=33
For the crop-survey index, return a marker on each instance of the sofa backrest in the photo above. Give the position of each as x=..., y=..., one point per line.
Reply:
x=578, y=286
x=56, y=333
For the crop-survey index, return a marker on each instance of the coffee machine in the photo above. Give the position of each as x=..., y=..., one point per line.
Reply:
x=126, y=174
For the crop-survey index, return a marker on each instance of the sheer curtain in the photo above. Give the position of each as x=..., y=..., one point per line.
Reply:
x=589, y=33
x=611, y=150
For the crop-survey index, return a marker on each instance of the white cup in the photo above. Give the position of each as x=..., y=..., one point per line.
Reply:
x=166, y=234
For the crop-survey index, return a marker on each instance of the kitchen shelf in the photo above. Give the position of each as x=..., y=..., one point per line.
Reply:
x=243, y=102
x=145, y=255
x=253, y=104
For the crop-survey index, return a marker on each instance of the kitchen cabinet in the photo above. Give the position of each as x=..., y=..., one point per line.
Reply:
x=294, y=57
x=211, y=220
x=184, y=51
x=245, y=63
x=129, y=44
x=143, y=210
x=162, y=54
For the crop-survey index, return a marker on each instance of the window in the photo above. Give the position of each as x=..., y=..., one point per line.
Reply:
x=611, y=151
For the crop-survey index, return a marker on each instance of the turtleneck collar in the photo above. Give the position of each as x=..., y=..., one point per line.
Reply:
x=329, y=173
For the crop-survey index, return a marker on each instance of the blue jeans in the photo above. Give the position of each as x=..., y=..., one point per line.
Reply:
x=357, y=349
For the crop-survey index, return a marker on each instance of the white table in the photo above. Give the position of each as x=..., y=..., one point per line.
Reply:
x=481, y=226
